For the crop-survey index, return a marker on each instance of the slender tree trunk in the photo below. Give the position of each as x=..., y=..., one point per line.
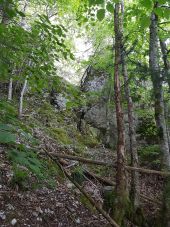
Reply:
x=132, y=136
x=108, y=126
x=134, y=192
x=159, y=110
x=121, y=177
x=166, y=74
x=10, y=89
x=21, y=97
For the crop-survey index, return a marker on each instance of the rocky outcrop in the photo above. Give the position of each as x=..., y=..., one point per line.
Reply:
x=105, y=120
x=58, y=100
x=93, y=80
x=100, y=114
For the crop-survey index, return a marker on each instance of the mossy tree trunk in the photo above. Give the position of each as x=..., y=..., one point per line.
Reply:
x=157, y=80
x=134, y=190
x=121, y=199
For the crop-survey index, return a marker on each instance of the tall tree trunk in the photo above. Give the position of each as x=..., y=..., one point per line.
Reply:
x=121, y=177
x=164, y=51
x=159, y=108
x=158, y=90
x=22, y=96
x=132, y=136
x=134, y=191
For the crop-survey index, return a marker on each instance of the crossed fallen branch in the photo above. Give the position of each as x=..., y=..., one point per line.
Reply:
x=130, y=168
x=91, y=200
x=57, y=159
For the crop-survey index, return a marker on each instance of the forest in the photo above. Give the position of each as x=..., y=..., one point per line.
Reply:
x=85, y=113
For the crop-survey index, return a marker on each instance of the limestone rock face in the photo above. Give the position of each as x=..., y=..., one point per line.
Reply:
x=105, y=120
x=94, y=80
x=99, y=114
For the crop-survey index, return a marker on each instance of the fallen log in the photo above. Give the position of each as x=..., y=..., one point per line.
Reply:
x=96, y=162
x=100, y=179
x=91, y=200
x=81, y=159
x=148, y=171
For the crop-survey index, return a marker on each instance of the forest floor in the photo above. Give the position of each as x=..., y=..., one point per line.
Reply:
x=59, y=207
x=61, y=204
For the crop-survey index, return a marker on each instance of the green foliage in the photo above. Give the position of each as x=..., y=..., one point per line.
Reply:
x=88, y=140
x=8, y=113
x=7, y=137
x=6, y=134
x=75, y=97
x=163, y=12
x=95, y=2
x=150, y=156
x=147, y=127
x=20, y=177
x=27, y=158
x=33, y=52
x=101, y=14
x=8, y=131
x=11, y=127
x=78, y=175
x=148, y=4
x=110, y=7
x=61, y=135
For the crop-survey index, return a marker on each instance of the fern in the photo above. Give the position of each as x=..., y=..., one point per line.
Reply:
x=28, y=159
x=7, y=134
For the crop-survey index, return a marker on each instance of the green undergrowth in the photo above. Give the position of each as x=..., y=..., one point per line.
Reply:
x=29, y=169
x=18, y=137
x=150, y=156
x=62, y=126
x=147, y=127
